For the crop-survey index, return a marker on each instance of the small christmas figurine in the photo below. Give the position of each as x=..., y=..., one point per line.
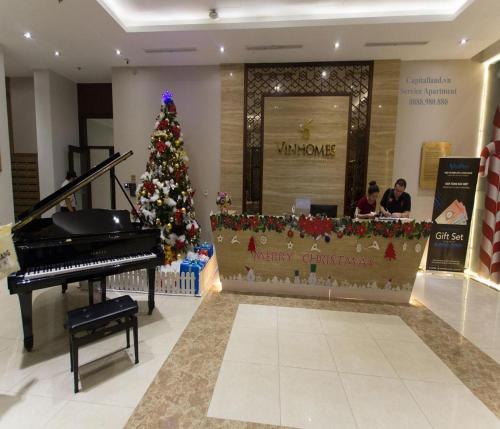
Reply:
x=250, y=274
x=296, y=278
x=223, y=201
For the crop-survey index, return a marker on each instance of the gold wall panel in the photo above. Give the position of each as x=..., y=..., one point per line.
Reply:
x=232, y=105
x=384, y=109
x=288, y=176
x=429, y=162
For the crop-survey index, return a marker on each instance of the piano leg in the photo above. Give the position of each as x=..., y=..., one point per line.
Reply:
x=64, y=287
x=91, y=292
x=151, y=290
x=25, y=302
x=103, y=289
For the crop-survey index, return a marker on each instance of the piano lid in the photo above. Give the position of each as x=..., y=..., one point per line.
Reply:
x=53, y=199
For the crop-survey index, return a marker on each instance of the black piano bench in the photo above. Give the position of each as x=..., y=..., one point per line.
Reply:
x=91, y=323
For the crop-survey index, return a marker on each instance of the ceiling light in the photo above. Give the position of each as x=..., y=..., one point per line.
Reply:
x=213, y=14
x=57, y=53
x=221, y=49
x=231, y=74
x=463, y=41
x=27, y=35
x=337, y=45
x=118, y=52
x=323, y=73
x=379, y=106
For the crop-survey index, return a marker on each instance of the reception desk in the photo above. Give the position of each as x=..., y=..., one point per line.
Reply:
x=319, y=256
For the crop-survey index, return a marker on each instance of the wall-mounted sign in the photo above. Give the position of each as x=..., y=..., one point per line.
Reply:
x=429, y=162
x=323, y=150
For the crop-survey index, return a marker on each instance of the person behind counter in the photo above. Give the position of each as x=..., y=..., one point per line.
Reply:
x=69, y=203
x=367, y=204
x=396, y=202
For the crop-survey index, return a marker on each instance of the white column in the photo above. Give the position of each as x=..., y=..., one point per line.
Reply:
x=6, y=197
x=56, y=111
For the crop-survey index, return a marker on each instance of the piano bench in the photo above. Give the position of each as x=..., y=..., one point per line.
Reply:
x=88, y=324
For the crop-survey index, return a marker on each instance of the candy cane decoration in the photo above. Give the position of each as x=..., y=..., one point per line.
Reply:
x=489, y=255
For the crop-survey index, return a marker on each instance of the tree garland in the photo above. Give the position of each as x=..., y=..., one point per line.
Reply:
x=315, y=226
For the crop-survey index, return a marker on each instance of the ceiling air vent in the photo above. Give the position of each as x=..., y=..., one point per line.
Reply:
x=273, y=47
x=169, y=50
x=381, y=44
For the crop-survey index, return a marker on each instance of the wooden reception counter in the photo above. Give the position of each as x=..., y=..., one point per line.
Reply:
x=318, y=256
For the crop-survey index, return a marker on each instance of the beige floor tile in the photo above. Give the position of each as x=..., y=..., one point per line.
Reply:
x=305, y=351
x=298, y=320
x=252, y=345
x=451, y=406
x=84, y=415
x=359, y=356
x=392, y=329
x=256, y=316
x=313, y=399
x=382, y=403
x=416, y=361
x=27, y=411
x=348, y=325
x=247, y=392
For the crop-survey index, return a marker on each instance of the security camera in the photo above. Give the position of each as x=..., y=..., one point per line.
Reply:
x=212, y=13
x=127, y=61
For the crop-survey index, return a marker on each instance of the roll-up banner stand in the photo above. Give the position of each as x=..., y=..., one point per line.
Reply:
x=452, y=214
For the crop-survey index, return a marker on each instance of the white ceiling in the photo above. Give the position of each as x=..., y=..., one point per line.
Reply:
x=162, y=15
x=87, y=36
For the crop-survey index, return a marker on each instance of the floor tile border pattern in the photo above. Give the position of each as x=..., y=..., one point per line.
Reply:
x=180, y=394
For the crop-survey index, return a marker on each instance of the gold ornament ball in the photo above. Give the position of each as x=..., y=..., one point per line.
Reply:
x=159, y=202
x=177, y=142
x=179, y=256
x=158, y=221
x=183, y=210
x=183, y=193
x=143, y=193
x=164, y=163
x=169, y=226
x=176, y=165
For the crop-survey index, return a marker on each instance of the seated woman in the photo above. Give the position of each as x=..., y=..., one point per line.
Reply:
x=367, y=204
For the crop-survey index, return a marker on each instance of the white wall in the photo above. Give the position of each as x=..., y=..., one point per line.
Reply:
x=22, y=104
x=136, y=102
x=56, y=112
x=7, y=202
x=457, y=122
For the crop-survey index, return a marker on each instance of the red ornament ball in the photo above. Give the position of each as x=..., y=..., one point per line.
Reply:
x=340, y=234
x=327, y=238
x=302, y=235
x=290, y=233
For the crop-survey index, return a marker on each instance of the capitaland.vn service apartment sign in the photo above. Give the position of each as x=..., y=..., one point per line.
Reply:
x=428, y=90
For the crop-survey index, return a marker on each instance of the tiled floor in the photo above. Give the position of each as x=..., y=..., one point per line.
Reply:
x=469, y=307
x=36, y=388
x=310, y=368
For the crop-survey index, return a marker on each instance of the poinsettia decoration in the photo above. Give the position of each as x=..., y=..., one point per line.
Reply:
x=316, y=226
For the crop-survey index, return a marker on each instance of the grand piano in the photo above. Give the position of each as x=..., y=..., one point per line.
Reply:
x=81, y=245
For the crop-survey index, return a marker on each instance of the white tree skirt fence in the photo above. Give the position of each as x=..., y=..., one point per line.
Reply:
x=166, y=282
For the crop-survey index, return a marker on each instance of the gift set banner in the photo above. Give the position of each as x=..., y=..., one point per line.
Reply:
x=452, y=214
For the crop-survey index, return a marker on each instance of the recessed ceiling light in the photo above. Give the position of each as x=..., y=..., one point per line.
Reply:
x=323, y=73
x=231, y=74
x=221, y=49
x=27, y=35
x=379, y=106
x=337, y=45
x=118, y=52
x=57, y=53
x=463, y=41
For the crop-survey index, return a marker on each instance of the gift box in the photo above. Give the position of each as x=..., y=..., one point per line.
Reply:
x=195, y=267
x=205, y=248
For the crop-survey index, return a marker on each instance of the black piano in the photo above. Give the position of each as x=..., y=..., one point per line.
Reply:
x=81, y=245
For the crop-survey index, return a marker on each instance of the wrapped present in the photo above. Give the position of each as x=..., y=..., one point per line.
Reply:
x=205, y=249
x=193, y=266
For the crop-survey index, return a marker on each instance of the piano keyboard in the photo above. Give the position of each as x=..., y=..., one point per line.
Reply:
x=69, y=267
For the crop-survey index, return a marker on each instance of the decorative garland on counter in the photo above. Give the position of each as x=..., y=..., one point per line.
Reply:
x=316, y=226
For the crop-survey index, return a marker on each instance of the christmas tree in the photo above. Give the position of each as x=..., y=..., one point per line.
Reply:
x=165, y=195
